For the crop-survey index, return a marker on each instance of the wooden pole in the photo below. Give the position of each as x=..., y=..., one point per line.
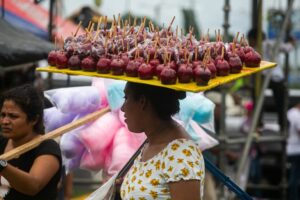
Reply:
x=53, y=134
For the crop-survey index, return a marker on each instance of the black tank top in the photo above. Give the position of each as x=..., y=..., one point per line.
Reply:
x=25, y=161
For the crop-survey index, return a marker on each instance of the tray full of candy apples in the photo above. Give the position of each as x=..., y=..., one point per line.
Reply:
x=161, y=57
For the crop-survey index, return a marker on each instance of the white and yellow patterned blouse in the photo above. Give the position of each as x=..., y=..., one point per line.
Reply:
x=181, y=159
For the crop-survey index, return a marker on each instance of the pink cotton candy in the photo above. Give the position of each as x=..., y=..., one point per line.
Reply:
x=93, y=160
x=124, y=146
x=99, y=135
x=99, y=84
x=122, y=118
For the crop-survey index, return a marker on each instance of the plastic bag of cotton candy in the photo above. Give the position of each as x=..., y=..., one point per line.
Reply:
x=72, y=102
x=69, y=104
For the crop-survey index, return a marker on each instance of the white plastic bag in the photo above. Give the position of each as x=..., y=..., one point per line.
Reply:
x=204, y=140
x=106, y=191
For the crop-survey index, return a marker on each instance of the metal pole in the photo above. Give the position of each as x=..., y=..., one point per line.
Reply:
x=285, y=124
x=222, y=131
x=261, y=97
x=226, y=24
x=284, y=128
x=257, y=24
x=50, y=29
x=3, y=9
x=254, y=13
x=257, y=77
x=50, y=25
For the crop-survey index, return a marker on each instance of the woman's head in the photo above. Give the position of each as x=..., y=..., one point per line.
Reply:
x=30, y=101
x=164, y=102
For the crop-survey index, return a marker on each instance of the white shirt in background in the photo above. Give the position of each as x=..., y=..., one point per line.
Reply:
x=268, y=47
x=293, y=141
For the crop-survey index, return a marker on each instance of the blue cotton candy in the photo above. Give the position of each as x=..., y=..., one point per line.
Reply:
x=192, y=133
x=115, y=94
x=196, y=107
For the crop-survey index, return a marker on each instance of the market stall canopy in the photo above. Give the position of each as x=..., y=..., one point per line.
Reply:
x=18, y=46
x=34, y=18
x=23, y=14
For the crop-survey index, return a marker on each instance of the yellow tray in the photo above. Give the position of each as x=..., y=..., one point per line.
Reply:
x=192, y=87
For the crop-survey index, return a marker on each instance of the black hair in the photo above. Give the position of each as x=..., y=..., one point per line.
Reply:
x=252, y=34
x=30, y=100
x=164, y=101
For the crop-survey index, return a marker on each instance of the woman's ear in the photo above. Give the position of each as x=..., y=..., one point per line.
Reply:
x=143, y=102
x=34, y=122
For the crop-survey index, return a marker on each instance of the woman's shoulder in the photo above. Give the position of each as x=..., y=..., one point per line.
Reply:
x=50, y=142
x=183, y=160
x=183, y=145
x=182, y=142
x=49, y=146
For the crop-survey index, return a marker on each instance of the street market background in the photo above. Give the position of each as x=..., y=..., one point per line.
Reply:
x=206, y=15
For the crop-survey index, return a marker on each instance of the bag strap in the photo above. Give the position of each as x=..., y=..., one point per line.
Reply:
x=125, y=169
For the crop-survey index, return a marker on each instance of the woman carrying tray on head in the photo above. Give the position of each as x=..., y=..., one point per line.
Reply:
x=170, y=165
x=35, y=174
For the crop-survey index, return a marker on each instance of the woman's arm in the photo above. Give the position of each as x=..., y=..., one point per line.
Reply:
x=41, y=172
x=183, y=190
x=68, y=186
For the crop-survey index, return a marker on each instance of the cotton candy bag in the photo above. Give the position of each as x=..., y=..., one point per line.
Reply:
x=124, y=146
x=196, y=107
x=54, y=118
x=76, y=99
x=97, y=138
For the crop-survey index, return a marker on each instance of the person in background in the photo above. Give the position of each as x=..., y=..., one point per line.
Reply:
x=276, y=84
x=68, y=186
x=246, y=125
x=170, y=165
x=35, y=174
x=293, y=150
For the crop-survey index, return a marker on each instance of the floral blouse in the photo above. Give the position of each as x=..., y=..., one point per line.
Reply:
x=181, y=159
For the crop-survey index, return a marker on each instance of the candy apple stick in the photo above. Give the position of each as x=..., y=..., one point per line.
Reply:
x=77, y=29
x=171, y=24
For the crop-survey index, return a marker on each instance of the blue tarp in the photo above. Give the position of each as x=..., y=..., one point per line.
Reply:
x=18, y=46
x=25, y=25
